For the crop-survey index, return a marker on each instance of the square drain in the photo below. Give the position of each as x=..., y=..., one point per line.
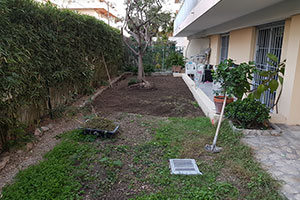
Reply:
x=184, y=167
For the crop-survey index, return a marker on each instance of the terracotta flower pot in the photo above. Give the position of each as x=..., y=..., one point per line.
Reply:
x=219, y=102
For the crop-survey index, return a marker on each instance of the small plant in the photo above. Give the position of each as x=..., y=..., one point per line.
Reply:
x=248, y=113
x=132, y=81
x=271, y=79
x=175, y=59
x=234, y=79
x=149, y=68
x=99, y=123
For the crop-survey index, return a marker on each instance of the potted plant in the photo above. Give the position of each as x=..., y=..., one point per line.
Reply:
x=234, y=81
x=176, y=61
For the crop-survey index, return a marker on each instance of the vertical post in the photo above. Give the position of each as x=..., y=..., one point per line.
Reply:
x=163, y=61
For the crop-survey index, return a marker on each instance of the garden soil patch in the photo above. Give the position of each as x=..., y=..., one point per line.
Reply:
x=170, y=98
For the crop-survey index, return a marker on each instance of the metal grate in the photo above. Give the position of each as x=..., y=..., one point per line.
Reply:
x=224, y=47
x=269, y=40
x=184, y=167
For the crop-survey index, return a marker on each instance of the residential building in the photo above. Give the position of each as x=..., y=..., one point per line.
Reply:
x=100, y=9
x=174, y=7
x=248, y=31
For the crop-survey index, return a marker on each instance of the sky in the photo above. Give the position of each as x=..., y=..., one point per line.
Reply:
x=169, y=5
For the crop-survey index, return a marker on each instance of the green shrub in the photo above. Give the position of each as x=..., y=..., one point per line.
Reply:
x=149, y=68
x=248, y=113
x=44, y=48
x=132, y=81
x=176, y=59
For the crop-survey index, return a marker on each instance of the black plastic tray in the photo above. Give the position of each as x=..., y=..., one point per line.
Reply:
x=99, y=133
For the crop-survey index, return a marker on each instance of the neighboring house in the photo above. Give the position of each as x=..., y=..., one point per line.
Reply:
x=100, y=9
x=247, y=31
x=174, y=7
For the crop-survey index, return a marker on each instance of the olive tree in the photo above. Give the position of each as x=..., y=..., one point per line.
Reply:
x=144, y=19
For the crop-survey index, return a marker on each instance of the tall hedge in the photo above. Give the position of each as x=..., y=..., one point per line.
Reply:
x=42, y=48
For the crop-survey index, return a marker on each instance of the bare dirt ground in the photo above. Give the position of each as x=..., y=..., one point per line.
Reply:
x=170, y=98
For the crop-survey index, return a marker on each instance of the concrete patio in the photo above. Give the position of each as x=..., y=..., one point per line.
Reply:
x=280, y=156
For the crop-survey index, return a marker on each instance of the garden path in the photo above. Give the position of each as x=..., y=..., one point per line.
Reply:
x=280, y=156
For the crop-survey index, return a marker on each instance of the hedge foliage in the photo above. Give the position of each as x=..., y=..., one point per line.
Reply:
x=43, y=47
x=248, y=113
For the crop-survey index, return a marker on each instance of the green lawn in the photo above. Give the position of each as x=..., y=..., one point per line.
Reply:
x=84, y=165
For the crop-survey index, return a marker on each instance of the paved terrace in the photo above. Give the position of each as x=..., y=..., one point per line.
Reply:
x=280, y=156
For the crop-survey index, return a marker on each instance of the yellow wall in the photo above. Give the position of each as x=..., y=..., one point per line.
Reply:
x=215, y=49
x=242, y=44
x=289, y=105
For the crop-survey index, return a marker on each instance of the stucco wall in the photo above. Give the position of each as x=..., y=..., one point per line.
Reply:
x=242, y=44
x=196, y=46
x=90, y=12
x=289, y=104
x=215, y=49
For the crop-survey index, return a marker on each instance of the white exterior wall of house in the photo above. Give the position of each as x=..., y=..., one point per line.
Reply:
x=196, y=46
x=208, y=19
x=88, y=7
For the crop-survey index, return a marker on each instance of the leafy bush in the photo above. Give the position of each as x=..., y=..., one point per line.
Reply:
x=176, y=59
x=43, y=49
x=247, y=113
x=149, y=68
x=234, y=79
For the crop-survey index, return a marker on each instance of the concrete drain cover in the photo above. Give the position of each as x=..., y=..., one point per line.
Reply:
x=184, y=167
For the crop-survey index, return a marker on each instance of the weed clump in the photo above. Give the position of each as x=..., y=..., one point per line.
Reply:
x=100, y=123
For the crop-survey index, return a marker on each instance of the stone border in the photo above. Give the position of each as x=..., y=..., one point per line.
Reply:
x=162, y=73
x=178, y=75
x=254, y=132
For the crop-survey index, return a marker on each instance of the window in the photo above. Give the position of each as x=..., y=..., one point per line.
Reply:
x=269, y=40
x=224, y=47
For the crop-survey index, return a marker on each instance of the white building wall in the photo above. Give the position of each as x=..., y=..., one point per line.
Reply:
x=196, y=46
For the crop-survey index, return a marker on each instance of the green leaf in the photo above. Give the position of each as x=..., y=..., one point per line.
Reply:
x=117, y=163
x=251, y=96
x=282, y=70
x=273, y=85
x=103, y=159
x=261, y=88
x=272, y=57
x=257, y=95
x=280, y=78
x=264, y=73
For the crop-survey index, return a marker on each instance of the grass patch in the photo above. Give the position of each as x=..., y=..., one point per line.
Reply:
x=83, y=166
x=232, y=174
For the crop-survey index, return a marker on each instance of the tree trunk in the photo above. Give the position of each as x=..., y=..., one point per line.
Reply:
x=141, y=75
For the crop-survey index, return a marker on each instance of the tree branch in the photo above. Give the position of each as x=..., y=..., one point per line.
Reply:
x=128, y=45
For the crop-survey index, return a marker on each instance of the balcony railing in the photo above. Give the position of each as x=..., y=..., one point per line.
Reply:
x=185, y=10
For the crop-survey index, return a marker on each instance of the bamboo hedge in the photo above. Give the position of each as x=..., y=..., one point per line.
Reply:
x=44, y=48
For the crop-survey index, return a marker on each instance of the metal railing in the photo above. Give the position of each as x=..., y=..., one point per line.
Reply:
x=184, y=11
x=269, y=40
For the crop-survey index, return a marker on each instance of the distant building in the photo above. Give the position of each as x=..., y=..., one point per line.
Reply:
x=100, y=9
x=174, y=7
